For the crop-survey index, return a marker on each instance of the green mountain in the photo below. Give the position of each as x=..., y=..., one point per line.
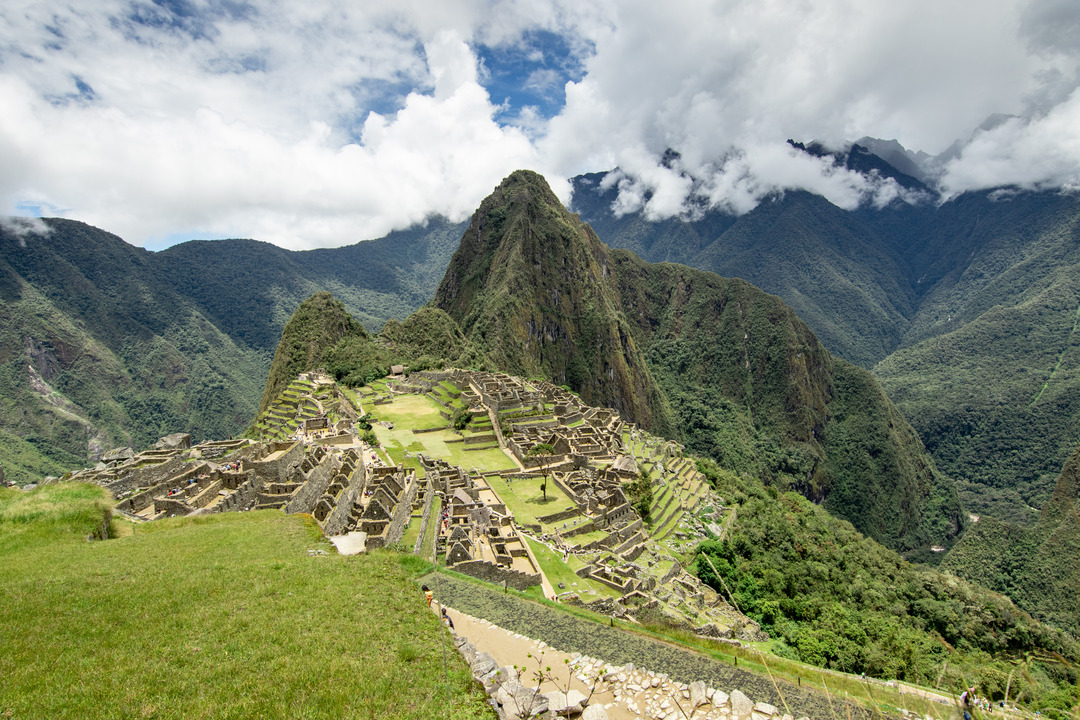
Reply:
x=966, y=312
x=103, y=344
x=95, y=352
x=834, y=598
x=321, y=334
x=990, y=374
x=318, y=325
x=249, y=289
x=717, y=363
x=528, y=285
x=1037, y=566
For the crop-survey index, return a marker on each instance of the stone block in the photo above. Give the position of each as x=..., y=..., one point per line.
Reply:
x=594, y=712
x=741, y=706
x=698, y=694
x=521, y=702
x=561, y=703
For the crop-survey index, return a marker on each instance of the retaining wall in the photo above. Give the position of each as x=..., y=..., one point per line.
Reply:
x=494, y=574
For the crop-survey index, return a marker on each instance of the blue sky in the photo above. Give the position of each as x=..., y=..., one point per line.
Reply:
x=317, y=123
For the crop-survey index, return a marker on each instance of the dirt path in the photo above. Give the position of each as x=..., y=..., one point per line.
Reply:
x=568, y=635
x=513, y=649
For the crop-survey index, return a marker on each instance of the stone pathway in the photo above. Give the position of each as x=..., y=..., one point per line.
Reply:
x=615, y=693
x=619, y=649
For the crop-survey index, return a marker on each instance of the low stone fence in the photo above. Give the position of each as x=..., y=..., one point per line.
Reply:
x=559, y=516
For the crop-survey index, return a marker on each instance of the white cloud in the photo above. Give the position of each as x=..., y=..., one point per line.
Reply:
x=1034, y=152
x=321, y=123
x=726, y=84
x=20, y=227
x=210, y=166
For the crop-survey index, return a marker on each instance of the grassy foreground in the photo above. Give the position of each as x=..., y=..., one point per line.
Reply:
x=223, y=616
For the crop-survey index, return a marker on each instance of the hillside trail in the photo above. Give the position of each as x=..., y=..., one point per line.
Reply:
x=513, y=649
x=560, y=635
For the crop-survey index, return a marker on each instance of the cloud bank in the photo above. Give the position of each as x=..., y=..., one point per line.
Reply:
x=312, y=124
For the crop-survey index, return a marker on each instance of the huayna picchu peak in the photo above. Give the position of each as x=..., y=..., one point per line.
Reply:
x=713, y=362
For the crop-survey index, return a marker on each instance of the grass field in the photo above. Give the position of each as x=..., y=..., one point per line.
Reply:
x=220, y=616
x=524, y=499
x=558, y=572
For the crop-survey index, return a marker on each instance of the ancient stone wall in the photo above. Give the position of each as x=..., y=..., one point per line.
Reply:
x=339, y=517
x=141, y=501
x=277, y=470
x=425, y=517
x=147, y=475
x=318, y=479
x=403, y=511
x=494, y=574
x=245, y=496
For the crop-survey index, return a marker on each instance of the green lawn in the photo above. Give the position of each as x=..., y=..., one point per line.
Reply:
x=556, y=571
x=221, y=616
x=524, y=499
x=418, y=411
x=434, y=444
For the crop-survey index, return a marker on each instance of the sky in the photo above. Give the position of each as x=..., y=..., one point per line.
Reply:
x=317, y=123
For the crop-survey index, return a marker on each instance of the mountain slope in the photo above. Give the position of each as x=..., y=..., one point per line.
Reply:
x=743, y=378
x=834, y=270
x=1038, y=566
x=96, y=352
x=990, y=373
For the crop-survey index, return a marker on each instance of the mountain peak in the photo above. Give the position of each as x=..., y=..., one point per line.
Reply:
x=530, y=284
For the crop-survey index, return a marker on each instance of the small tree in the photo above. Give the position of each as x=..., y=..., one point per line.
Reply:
x=462, y=417
x=542, y=449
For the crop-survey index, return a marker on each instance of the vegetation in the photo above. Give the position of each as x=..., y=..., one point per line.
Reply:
x=1037, y=566
x=639, y=492
x=97, y=352
x=222, y=616
x=317, y=326
x=831, y=597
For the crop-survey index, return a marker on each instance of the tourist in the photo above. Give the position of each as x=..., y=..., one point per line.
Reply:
x=428, y=594
x=967, y=701
x=446, y=620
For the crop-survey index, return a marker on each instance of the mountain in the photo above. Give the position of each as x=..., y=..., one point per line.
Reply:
x=104, y=344
x=249, y=288
x=965, y=311
x=833, y=269
x=1037, y=566
x=528, y=284
x=989, y=369
x=717, y=363
x=95, y=351
x=318, y=325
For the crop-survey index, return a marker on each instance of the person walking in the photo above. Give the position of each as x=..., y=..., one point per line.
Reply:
x=967, y=701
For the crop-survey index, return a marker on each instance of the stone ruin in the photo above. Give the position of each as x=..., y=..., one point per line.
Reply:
x=309, y=459
x=476, y=534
